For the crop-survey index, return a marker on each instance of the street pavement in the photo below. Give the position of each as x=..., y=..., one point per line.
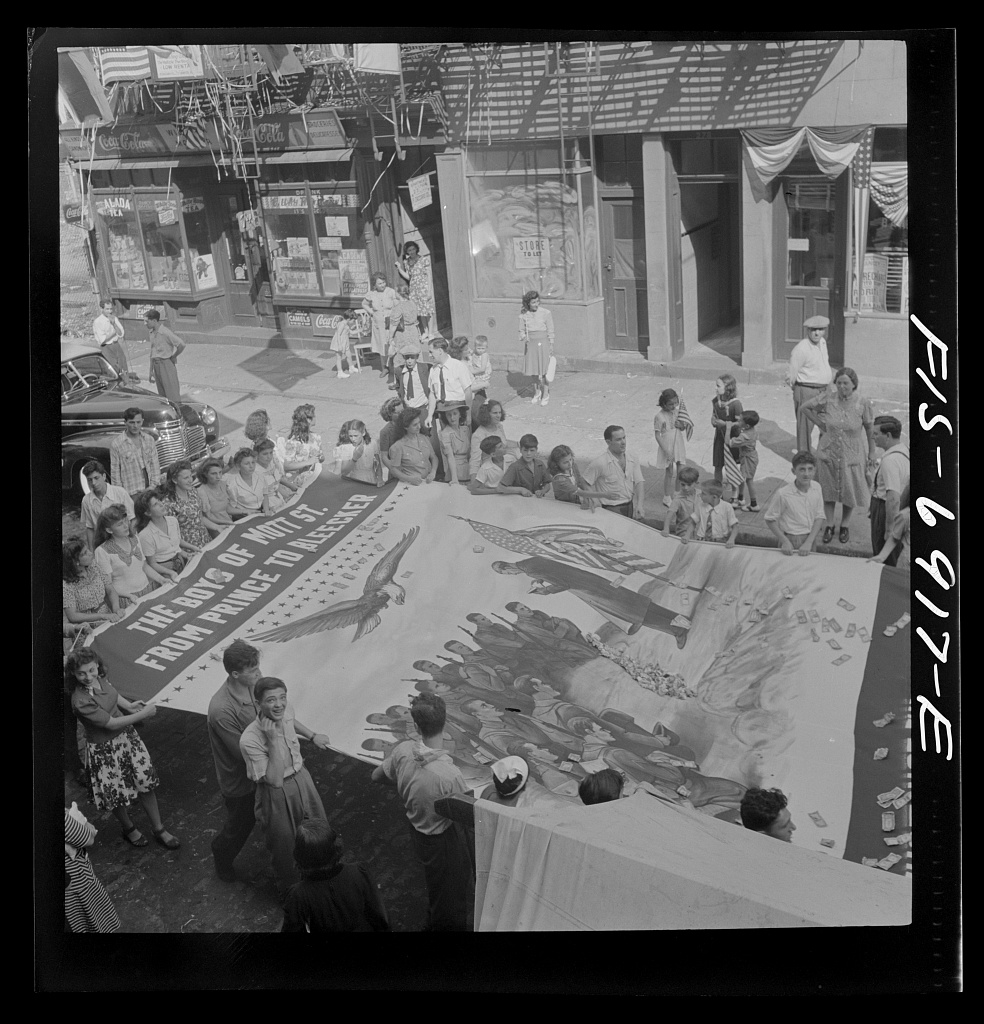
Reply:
x=160, y=891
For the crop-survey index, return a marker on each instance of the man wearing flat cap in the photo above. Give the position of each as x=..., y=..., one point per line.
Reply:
x=809, y=374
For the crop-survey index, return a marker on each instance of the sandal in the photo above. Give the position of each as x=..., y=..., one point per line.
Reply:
x=170, y=843
x=141, y=839
x=844, y=536
x=828, y=534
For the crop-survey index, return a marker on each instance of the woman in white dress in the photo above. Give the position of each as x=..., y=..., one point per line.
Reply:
x=120, y=558
x=300, y=452
x=536, y=331
x=160, y=536
x=380, y=301
x=247, y=485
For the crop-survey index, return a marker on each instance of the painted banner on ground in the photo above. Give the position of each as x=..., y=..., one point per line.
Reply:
x=577, y=640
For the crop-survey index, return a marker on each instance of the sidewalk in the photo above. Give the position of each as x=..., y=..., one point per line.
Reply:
x=237, y=378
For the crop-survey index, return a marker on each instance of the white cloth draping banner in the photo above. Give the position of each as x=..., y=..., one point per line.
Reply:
x=643, y=863
x=890, y=190
x=771, y=150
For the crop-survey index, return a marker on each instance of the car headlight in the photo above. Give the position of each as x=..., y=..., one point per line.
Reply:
x=209, y=416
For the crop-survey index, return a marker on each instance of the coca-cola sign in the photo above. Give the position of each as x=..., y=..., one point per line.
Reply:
x=270, y=133
x=128, y=142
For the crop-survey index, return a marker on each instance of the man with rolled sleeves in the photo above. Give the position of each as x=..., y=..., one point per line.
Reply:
x=230, y=710
x=809, y=373
x=891, y=479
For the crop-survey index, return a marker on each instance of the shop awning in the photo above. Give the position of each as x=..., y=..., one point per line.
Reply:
x=308, y=156
x=113, y=163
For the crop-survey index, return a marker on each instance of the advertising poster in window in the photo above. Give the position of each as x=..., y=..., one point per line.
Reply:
x=874, y=283
x=354, y=269
x=336, y=225
x=204, y=265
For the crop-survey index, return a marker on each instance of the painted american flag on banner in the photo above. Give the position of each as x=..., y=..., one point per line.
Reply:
x=123, y=63
x=586, y=546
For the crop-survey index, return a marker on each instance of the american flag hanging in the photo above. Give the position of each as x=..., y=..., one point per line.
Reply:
x=732, y=471
x=861, y=164
x=194, y=136
x=684, y=420
x=123, y=63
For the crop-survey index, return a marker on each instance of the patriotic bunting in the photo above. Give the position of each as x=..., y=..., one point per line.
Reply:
x=123, y=63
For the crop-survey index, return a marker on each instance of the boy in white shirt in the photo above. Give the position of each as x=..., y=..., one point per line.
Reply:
x=713, y=518
x=795, y=514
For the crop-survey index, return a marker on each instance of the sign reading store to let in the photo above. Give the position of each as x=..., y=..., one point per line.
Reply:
x=531, y=252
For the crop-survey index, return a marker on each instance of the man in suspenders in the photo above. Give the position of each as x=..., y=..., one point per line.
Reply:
x=891, y=478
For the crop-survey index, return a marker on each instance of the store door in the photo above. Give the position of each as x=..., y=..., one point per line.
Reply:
x=250, y=297
x=624, y=262
x=811, y=233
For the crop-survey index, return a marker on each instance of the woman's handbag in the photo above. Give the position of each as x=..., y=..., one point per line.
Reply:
x=551, y=370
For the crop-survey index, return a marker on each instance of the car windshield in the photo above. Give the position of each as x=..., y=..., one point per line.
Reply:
x=87, y=371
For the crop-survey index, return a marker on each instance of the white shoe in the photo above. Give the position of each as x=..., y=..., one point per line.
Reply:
x=341, y=374
x=354, y=369
x=536, y=397
x=545, y=400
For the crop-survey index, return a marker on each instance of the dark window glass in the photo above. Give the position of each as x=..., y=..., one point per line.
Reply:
x=888, y=145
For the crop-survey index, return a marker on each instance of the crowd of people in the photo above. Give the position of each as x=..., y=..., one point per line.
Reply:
x=442, y=424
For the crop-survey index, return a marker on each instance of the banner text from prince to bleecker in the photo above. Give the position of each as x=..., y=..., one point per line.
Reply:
x=204, y=607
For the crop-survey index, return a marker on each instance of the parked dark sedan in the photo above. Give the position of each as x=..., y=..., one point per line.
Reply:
x=93, y=399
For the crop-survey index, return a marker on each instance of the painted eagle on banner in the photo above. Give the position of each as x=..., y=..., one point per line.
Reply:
x=379, y=590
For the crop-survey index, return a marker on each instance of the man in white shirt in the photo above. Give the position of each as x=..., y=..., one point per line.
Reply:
x=891, y=479
x=108, y=332
x=809, y=373
x=450, y=382
x=450, y=387
x=285, y=791
x=618, y=473
x=101, y=495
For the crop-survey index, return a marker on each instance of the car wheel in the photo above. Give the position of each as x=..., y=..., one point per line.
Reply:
x=82, y=484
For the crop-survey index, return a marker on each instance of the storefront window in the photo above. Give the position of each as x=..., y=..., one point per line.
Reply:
x=156, y=240
x=884, y=285
x=167, y=260
x=532, y=226
x=121, y=239
x=287, y=220
x=316, y=241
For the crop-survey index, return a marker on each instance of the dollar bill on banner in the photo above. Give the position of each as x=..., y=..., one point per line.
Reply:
x=542, y=616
